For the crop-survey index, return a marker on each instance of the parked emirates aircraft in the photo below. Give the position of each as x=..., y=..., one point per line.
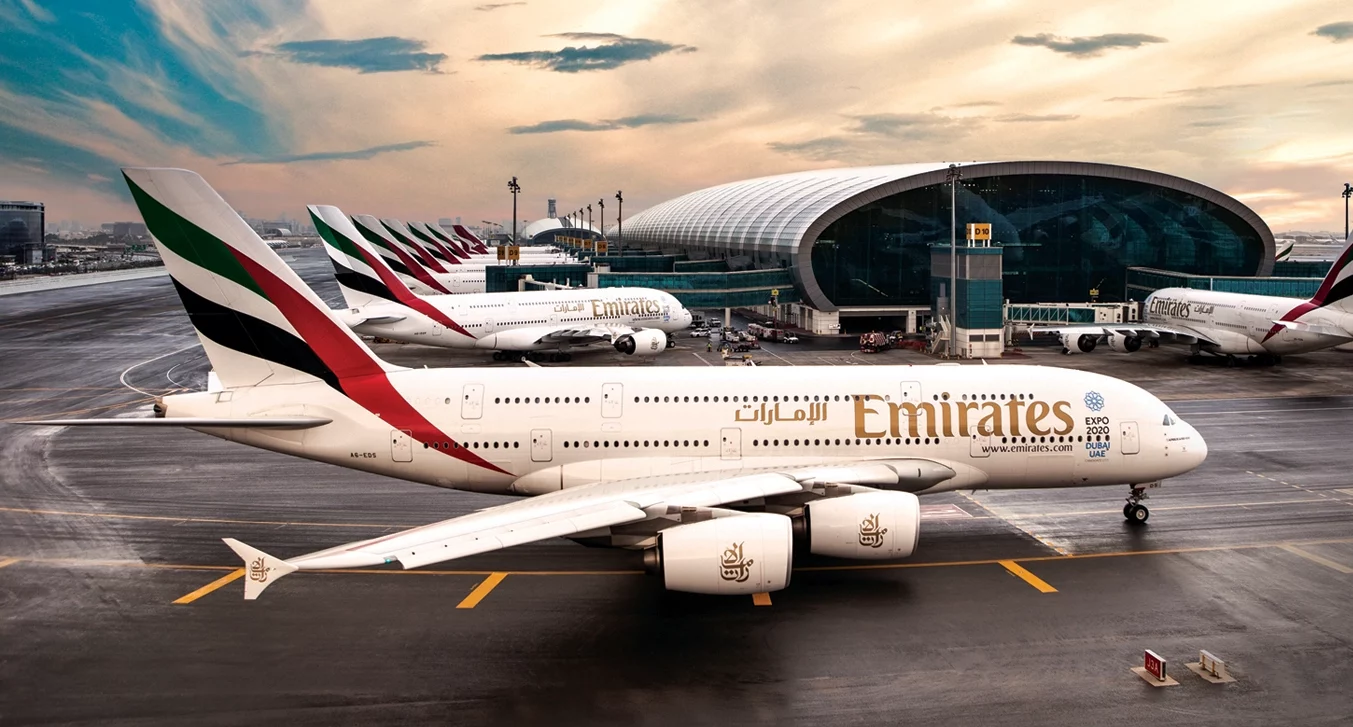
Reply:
x=440, y=239
x=636, y=321
x=709, y=471
x=436, y=260
x=407, y=264
x=1231, y=324
x=464, y=233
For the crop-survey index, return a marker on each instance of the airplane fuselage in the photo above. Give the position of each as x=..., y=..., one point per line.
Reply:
x=1248, y=324
x=516, y=432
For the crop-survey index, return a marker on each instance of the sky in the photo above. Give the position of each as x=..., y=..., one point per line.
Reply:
x=423, y=109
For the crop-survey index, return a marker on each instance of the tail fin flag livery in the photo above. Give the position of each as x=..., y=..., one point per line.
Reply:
x=259, y=323
x=256, y=318
x=410, y=243
x=399, y=258
x=365, y=276
x=436, y=247
x=1336, y=290
x=465, y=234
x=453, y=243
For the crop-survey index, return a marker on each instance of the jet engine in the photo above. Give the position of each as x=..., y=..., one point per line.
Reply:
x=866, y=526
x=643, y=342
x=1124, y=343
x=726, y=556
x=1084, y=343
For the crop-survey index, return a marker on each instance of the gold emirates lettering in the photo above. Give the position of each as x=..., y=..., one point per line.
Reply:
x=613, y=308
x=942, y=418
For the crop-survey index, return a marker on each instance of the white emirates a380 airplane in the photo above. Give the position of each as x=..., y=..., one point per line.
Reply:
x=709, y=470
x=1231, y=324
x=636, y=321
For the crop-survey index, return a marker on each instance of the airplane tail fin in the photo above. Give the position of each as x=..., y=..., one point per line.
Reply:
x=366, y=271
x=1336, y=290
x=434, y=246
x=260, y=569
x=399, y=259
x=406, y=238
x=258, y=321
x=465, y=233
x=452, y=243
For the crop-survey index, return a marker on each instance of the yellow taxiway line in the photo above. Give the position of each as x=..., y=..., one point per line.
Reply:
x=1294, y=550
x=1028, y=577
x=760, y=599
x=204, y=590
x=483, y=589
x=8, y=561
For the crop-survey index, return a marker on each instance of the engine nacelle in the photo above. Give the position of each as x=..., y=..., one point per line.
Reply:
x=867, y=526
x=643, y=342
x=1124, y=344
x=726, y=556
x=1083, y=343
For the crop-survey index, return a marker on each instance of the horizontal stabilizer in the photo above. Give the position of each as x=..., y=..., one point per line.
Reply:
x=1316, y=329
x=270, y=422
x=260, y=569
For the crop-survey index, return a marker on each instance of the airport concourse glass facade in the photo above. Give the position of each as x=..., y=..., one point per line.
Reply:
x=1062, y=236
x=21, y=223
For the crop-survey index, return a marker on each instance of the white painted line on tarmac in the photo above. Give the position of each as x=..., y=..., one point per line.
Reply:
x=1294, y=550
x=123, y=377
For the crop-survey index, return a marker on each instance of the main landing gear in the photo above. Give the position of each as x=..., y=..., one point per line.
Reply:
x=1135, y=512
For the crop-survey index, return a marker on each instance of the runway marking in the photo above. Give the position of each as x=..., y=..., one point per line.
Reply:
x=230, y=577
x=218, y=521
x=782, y=358
x=760, y=599
x=123, y=377
x=1028, y=577
x=483, y=589
x=8, y=561
x=82, y=411
x=1012, y=524
x=1294, y=550
x=701, y=359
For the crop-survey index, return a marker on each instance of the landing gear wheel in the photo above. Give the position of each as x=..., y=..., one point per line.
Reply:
x=1136, y=514
x=497, y=355
x=1127, y=511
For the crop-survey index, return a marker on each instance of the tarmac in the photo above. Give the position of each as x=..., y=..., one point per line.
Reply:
x=118, y=604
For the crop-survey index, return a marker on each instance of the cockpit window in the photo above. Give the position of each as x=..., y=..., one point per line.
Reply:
x=1167, y=421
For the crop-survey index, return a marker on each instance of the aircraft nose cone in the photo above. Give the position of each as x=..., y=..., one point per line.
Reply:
x=1194, y=448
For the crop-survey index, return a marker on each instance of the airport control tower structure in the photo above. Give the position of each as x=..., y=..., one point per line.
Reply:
x=978, y=309
x=551, y=209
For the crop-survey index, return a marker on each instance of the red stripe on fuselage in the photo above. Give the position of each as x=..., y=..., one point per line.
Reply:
x=1290, y=316
x=362, y=379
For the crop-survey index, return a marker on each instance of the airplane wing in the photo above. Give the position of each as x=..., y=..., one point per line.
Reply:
x=1143, y=330
x=523, y=338
x=576, y=510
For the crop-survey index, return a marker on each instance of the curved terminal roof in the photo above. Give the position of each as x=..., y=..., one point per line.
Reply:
x=779, y=214
x=550, y=224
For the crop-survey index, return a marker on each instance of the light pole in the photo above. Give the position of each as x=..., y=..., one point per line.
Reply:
x=952, y=177
x=589, y=220
x=1348, y=192
x=515, y=189
x=602, y=204
x=619, y=220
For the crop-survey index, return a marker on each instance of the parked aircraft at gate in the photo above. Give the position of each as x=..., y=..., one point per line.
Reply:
x=1230, y=324
x=636, y=321
x=710, y=471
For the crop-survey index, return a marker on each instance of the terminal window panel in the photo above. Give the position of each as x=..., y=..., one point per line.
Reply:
x=1061, y=235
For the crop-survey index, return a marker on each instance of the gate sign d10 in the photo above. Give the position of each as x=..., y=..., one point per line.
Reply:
x=979, y=230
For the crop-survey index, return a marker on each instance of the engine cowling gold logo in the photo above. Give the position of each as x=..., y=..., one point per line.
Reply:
x=734, y=566
x=871, y=535
x=258, y=571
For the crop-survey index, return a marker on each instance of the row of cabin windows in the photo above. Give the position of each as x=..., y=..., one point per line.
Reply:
x=754, y=398
x=636, y=443
x=889, y=441
x=537, y=400
x=471, y=445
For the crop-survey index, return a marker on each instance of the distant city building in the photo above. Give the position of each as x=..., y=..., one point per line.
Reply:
x=21, y=228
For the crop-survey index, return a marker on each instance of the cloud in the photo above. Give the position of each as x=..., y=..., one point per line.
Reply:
x=827, y=148
x=1087, y=46
x=613, y=52
x=1113, y=99
x=494, y=6
x=330, y=156
x=1026, y=118
x=914, y=127
x=1337, y=32
x=366, y=55
x=628, y=122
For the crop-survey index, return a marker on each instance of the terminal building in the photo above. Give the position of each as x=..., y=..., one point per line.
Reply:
x=858, y=245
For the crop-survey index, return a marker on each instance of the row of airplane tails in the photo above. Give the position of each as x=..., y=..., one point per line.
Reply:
x=718, y=476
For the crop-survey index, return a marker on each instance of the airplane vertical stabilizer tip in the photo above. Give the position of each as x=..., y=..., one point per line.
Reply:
x=260, y=569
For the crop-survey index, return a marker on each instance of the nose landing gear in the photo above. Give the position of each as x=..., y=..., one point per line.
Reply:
x=1135, y=512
